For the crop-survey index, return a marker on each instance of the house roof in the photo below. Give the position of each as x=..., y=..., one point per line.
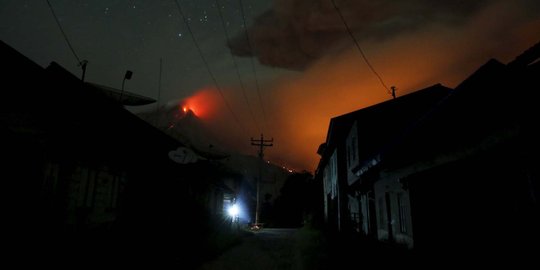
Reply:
x=492, y=101
x=128, y=98
x=380, y=121
x=51, y=107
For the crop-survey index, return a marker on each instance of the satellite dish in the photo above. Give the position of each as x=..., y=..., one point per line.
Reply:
x=183, y=155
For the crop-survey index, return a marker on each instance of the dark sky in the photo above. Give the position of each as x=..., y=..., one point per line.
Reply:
x=118, y=35
x=310, y=69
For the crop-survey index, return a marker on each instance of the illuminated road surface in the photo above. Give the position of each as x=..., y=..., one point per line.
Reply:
x=266, y=249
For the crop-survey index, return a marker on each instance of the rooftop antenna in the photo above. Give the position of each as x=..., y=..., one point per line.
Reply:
x=393, y=91
x=127, y=76
x=83, y=64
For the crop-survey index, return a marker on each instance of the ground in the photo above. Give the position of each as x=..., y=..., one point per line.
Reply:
x=306, y=249
x=266, y=249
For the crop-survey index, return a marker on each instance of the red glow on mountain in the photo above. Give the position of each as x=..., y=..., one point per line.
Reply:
x=202, y=103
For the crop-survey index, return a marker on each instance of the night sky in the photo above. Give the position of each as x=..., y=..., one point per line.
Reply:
x=308, y=69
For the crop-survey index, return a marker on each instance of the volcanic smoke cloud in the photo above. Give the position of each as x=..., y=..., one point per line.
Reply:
x=412, y=44
x=295, y=33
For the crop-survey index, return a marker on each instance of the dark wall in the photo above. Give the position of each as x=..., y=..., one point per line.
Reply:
x=480, y=203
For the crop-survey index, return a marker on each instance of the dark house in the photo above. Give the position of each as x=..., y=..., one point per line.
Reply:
x=469, y=169
x=455, y=177
x=349, y=199
x=88, y=181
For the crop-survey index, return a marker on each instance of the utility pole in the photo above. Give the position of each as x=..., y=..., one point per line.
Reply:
x=83, y=64
x=261, y=143
x=393, y=92
x=127, y=76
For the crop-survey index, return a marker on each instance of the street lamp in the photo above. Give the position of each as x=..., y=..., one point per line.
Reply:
x=234, y=211
x=127, y=76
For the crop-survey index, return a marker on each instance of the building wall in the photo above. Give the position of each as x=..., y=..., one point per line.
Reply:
x=485, y=200
x=326, y=192
x=333, y=175
x=332, y=206
x=351, y=148
x=88, y=195
x=368, y=213
x=355, y=213
x=393, y=212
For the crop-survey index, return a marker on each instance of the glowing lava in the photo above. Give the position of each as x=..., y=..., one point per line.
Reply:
x=202, y=103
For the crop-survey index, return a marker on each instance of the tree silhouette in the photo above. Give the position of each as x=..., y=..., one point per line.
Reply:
x=295, y=200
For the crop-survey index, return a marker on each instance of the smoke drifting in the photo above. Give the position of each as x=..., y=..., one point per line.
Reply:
x=412, y=44
x=295, y=33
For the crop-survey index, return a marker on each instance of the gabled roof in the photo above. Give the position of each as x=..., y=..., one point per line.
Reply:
x=491, y=101
x=128, y=98
x=103, y=91
x=53, y=107
x=381, y=119
x=528, y=57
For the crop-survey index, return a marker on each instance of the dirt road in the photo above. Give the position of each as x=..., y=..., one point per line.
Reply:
x=265, y=249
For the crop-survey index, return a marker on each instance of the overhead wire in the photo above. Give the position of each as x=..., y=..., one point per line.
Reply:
x=242, y=86
x=63, y=33
x=213, y=77
x=359, y=48
x=252, y=48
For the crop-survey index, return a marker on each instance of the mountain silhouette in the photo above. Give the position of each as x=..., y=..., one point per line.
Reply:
x=192, y=131
x=189, y=129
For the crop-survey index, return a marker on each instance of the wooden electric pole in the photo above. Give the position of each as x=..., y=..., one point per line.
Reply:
x=393, y=91
x=261, y=143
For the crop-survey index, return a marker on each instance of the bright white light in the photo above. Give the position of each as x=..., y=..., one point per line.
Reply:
x=233, y=210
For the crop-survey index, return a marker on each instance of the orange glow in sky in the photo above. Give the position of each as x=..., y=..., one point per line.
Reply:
x=299, y=106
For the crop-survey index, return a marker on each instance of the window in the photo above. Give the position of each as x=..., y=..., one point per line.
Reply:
x=402, y=213
x=382, y=222
x=333, y=173
x=91, y=188
x=348, y=156
x=353, y=143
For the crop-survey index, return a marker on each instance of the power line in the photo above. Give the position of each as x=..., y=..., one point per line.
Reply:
x=63, y=33
x=207, y=65
x=358, y=46
x=236, y=65
x=251, y=46
x=159, y=91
